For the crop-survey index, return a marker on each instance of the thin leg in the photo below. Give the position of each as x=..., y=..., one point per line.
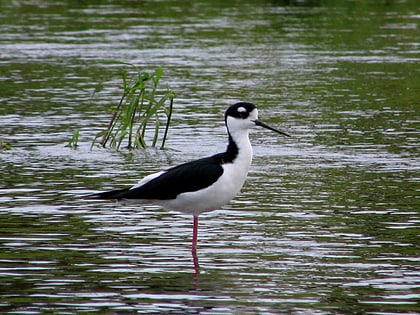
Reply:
x=195, y=234
x=194, y=246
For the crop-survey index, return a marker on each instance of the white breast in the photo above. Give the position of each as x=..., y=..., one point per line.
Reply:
x=221, y=192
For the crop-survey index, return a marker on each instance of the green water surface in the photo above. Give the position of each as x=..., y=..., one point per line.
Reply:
x=328, y=221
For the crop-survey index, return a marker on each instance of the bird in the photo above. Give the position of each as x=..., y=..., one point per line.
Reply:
x=205, y=184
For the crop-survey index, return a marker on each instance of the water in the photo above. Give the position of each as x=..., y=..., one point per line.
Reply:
x=328, y=220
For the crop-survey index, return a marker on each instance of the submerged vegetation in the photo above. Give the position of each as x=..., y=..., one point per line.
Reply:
x=4, y=145
x=141, y=114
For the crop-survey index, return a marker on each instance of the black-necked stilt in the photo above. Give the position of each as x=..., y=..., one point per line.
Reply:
x=205, y=184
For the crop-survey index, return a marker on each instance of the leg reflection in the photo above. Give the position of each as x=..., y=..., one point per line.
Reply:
x=196, y=265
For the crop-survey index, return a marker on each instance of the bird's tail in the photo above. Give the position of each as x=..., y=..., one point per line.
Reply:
x=113, y=194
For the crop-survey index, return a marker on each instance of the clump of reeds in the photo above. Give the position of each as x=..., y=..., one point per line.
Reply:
x=143, y=107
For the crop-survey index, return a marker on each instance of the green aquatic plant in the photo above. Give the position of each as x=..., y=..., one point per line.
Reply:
x=142, y=108
x=73, y=142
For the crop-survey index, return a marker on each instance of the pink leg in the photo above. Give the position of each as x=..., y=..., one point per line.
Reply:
x=195, y=234
x=194, y=246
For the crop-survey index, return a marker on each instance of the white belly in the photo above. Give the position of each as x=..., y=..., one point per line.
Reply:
x=213, y=197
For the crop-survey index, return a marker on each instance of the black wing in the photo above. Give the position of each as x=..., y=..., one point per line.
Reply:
x=114, y=194
x=187, y=177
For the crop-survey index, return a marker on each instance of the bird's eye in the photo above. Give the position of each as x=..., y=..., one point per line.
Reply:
x=242, y=112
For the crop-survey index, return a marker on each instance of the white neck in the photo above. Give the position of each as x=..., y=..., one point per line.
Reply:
x=240, y=137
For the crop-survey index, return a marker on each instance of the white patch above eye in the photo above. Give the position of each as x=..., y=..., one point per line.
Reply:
x=241, y=109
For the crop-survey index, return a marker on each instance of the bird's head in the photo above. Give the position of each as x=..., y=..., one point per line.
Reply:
x=244, y=115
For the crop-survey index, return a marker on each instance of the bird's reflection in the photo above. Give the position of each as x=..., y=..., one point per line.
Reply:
x=196, y=264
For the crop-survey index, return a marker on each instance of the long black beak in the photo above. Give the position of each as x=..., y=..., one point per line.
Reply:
x=259, y=123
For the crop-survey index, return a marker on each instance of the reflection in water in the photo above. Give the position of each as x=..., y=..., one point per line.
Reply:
x=326, y=223
x=196, y=264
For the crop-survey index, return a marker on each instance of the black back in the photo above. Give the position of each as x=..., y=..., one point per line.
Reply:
x=187, y=177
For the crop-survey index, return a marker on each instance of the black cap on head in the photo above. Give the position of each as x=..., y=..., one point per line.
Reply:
x=243, y=109
x=240, y=110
